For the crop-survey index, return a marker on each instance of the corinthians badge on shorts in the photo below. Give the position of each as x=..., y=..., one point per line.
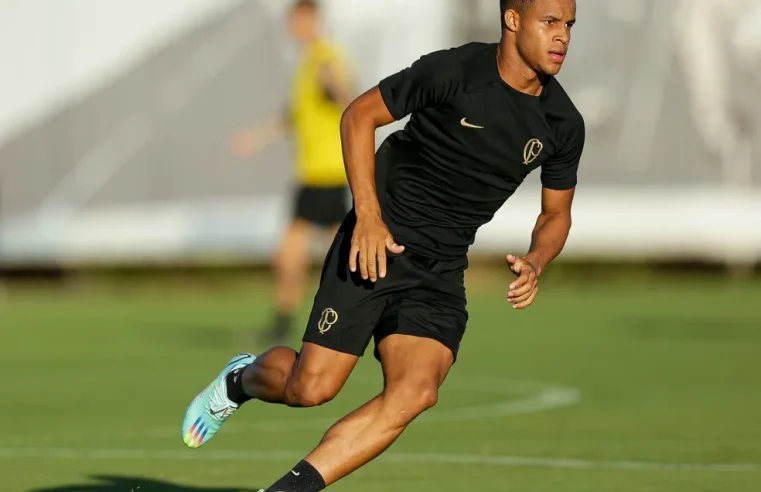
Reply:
x=532, y=150
x=328, y=318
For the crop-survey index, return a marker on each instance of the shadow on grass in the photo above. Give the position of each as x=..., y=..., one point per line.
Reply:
x=110, y=483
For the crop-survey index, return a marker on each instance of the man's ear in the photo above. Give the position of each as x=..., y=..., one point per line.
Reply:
x=512, y=20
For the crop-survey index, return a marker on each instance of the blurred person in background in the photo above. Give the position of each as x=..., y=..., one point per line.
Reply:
x=322, y=88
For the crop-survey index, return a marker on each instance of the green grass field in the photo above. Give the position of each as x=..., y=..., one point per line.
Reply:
x=641, y=385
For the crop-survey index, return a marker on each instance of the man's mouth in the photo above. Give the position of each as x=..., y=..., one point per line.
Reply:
x=557, y=56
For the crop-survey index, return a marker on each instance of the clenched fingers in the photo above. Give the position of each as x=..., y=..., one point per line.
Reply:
x=517, y=299
x=527, y=302
x=522, y=286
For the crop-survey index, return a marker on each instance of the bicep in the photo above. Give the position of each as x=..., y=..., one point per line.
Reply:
x=427, y=82
x=557, y=201
x=370, y=107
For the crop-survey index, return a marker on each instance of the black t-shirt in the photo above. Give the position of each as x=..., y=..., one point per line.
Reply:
x=470, y=142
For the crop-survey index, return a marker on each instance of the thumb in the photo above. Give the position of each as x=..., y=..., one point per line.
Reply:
x=392, y=246
x=512, y=259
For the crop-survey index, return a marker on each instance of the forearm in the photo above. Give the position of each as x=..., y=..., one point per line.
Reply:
x=358, y=140
x=548, y=239
x=257, y=138
x=275, y=129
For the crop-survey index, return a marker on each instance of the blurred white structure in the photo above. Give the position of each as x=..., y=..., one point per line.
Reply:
x=63, y=51
x=116, y=117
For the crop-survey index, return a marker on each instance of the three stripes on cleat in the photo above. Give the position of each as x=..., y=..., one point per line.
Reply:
x=197, y=433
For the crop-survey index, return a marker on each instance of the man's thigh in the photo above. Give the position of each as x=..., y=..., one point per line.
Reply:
x=434, y=309
x=436, y=313
x=424, y=318
x=414, y=361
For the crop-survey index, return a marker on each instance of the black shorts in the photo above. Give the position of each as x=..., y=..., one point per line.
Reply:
x=420, y=296
x=322, y=206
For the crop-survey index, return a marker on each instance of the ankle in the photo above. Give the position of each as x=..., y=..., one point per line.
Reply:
x=302, y=478
x=282, y=323
x=235, y=391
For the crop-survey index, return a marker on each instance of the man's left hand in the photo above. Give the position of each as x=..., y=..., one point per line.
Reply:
x=524, y=289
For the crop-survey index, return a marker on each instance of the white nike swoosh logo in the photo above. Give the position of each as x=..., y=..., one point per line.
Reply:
x=468, y=125
x=296, y=474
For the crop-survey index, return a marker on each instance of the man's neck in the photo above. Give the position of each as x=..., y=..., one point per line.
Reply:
x=515, y=71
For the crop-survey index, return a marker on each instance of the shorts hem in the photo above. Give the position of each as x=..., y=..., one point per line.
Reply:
x=322, y=342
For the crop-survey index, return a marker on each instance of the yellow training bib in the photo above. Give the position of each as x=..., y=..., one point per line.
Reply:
x=316, y=120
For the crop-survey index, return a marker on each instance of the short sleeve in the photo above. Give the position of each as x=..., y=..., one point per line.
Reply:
x=560, y=172
x=429, y=81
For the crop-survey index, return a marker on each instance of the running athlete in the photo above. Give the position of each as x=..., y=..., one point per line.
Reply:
x=321, y=90
x=484, y=116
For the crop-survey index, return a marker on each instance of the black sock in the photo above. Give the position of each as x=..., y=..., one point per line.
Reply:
x=235, y=387
x=281, y=326
x=302, y=478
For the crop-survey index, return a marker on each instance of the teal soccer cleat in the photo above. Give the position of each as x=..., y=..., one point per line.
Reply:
x=209, y=410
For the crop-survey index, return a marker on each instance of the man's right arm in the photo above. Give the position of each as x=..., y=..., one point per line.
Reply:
x=371, y=235
x=253, y=140
x=427, y=82
x=360, y=120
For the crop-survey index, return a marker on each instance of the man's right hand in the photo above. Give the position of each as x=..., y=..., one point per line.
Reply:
x=251, y=141
x=245, y=143
x=369, y=242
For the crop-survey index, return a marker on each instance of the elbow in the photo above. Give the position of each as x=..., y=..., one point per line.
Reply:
x=366, y=113
x=355, y=119
x=346, y=118
x=349, y=119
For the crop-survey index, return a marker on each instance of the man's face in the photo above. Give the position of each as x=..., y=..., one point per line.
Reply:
x=544, y=34
x=304, y=24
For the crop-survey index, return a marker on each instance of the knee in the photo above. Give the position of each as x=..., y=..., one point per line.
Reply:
x=406, y=401
x=291, y=261
x=310, y=390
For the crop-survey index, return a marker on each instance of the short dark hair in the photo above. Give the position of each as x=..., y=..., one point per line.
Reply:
x=308, y=4
x=519, y=5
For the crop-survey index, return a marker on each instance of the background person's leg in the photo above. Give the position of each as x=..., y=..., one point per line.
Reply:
x=315, y=210
x=291, y=268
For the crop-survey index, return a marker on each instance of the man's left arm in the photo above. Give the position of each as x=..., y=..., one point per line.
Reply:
x=552, y=227
x=559, y=178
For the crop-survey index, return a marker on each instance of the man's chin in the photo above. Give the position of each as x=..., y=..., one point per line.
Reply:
x=552, y=69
